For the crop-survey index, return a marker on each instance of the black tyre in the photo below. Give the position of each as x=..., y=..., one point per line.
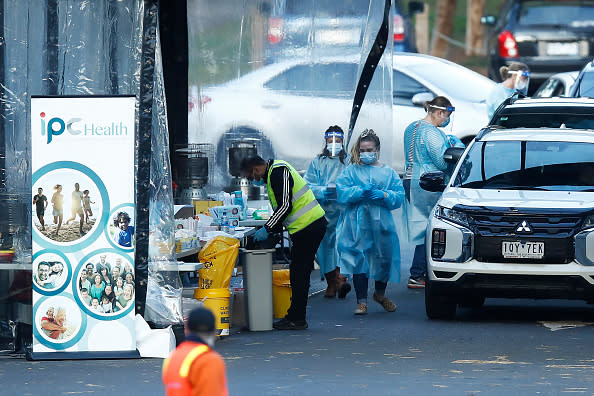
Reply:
x=438, y=306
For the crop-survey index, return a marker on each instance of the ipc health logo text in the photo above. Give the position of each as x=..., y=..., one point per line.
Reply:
x=75, y=126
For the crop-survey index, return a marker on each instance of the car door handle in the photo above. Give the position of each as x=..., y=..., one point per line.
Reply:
x=271, y=105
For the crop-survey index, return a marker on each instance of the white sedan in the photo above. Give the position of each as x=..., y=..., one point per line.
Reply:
x=285, y=107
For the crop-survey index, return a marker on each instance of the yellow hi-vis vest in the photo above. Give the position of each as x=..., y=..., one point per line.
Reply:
x=305, y=208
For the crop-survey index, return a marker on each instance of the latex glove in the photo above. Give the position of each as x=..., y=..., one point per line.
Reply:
x=261, y=235
x=377, y=195
x=367, y=190
x=454, y=141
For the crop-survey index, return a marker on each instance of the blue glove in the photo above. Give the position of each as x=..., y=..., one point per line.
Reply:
x=261, y=235
x=454, y=141
x=367, y=190
x=376, y=195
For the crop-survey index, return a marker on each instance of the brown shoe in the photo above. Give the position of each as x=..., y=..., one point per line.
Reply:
x=361, y=309
x=343, y=286
x=385, y=302
x=331, y=279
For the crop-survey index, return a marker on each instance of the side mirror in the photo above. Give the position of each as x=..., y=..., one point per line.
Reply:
x=420, y=98
x=415, y=7
x=488, y=20
x=453, y=154
x=433, y=181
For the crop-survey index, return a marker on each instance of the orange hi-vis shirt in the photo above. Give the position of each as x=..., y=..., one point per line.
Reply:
x=194, y=369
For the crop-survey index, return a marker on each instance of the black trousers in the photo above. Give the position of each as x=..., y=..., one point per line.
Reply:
x=305, y=245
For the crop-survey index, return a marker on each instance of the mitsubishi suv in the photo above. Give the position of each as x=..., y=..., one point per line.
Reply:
x=516, y=220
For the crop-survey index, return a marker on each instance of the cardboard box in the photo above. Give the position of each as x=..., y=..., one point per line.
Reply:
x=202, y=207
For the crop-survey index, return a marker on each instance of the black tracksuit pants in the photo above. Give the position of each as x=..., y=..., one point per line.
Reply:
x=305, y=245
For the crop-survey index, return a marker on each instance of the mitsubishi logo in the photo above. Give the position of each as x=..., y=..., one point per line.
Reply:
x=524, y=227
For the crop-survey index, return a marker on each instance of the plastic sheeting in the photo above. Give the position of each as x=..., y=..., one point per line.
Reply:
x=277, y=73
x=78, y=48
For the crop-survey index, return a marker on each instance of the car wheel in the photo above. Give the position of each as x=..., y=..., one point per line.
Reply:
x=438, y=306
x=472, y=302
x=263, y=147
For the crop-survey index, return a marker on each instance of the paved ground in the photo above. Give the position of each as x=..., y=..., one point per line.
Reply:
x=504, y=348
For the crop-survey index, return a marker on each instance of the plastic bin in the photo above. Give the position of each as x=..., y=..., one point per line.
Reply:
x=281, y=292
x=257, y=283
x=217, y=300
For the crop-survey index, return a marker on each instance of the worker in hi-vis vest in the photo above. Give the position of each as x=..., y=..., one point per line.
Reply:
x=296, y=208
x=194, y=368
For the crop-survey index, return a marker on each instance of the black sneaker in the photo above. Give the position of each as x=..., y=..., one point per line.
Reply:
x=416, y=283
x=288, y=324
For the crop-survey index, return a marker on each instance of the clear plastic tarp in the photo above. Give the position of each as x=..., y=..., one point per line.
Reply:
x=276, y=74
x=80, y=47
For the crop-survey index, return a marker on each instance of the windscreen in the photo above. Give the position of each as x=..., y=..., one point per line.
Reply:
x=574, y=14
x=586, y=87
x=528, y=165
x=553, y=119
x=329, y=8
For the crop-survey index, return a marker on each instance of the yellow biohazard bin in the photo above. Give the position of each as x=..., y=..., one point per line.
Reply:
x=217, y=300
x=218, y=259
x=281, y=292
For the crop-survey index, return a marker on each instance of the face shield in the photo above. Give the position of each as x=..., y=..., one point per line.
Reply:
x=521, y=80
x=334, y=142
x=449, y=112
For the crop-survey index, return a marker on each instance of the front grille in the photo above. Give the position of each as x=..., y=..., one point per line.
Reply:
x=555, y=227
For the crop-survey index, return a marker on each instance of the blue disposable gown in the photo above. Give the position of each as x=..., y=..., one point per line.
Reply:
x=429, y=146
x=496, y=97
x=321, y=172
x=366, y=237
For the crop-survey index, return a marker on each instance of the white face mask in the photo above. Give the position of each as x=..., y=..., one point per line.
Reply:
x=334, y=148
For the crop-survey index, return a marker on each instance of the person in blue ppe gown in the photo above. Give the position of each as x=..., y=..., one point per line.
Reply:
x=424, y=146
x=321, y=176
x=515, y=78
x=366, y=238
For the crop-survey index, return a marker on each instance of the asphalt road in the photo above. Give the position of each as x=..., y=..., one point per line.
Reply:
x=503, y=348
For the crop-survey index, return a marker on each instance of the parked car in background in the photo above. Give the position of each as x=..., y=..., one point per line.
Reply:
x=516, y=220
x=284, y=107
x=559, y=84
x=584, y=85
x=573, y=113
x=549, y=36
x=297, y=28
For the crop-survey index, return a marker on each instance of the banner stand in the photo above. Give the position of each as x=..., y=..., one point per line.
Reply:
x=82, y=355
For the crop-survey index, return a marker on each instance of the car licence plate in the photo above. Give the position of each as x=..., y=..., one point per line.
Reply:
x=563, y=49
x=522, y=250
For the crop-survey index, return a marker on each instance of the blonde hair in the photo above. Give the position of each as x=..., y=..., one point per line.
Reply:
x=367, y=135
x=514, y=66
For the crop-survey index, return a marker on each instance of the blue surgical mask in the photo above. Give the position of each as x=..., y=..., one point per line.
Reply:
x=259, y=182
x=445, y=123
x=367, y=158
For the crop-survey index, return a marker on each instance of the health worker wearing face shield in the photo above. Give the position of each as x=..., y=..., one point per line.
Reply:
x=321, y=176
x=366, y=238
x=296, y=208
x=515, y=78
x=424, y=146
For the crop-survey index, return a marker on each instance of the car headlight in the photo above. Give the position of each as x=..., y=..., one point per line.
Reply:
x=455, y=216
x=588, y=222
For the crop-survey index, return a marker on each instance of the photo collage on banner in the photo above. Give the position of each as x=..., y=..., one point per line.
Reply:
x=83, y=222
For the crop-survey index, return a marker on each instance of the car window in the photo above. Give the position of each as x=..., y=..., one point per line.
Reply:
x=330, y=8
x=521, y=165
x=551, y=87
x=405, y=88
x=326, y=80
x=577, y=14
x=455, y=81
x=586, y=85
x=557, y=119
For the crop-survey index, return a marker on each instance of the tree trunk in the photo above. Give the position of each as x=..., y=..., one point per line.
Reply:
x=444, y=25
x=474, y=27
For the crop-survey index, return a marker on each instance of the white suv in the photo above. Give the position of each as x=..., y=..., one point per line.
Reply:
x=515, y=220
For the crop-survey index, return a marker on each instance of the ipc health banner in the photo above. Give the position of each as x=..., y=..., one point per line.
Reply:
x=83, y=221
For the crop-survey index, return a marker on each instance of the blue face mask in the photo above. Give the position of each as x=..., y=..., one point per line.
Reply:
x=367, y=158
x=445, y=123
x=259, y=182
